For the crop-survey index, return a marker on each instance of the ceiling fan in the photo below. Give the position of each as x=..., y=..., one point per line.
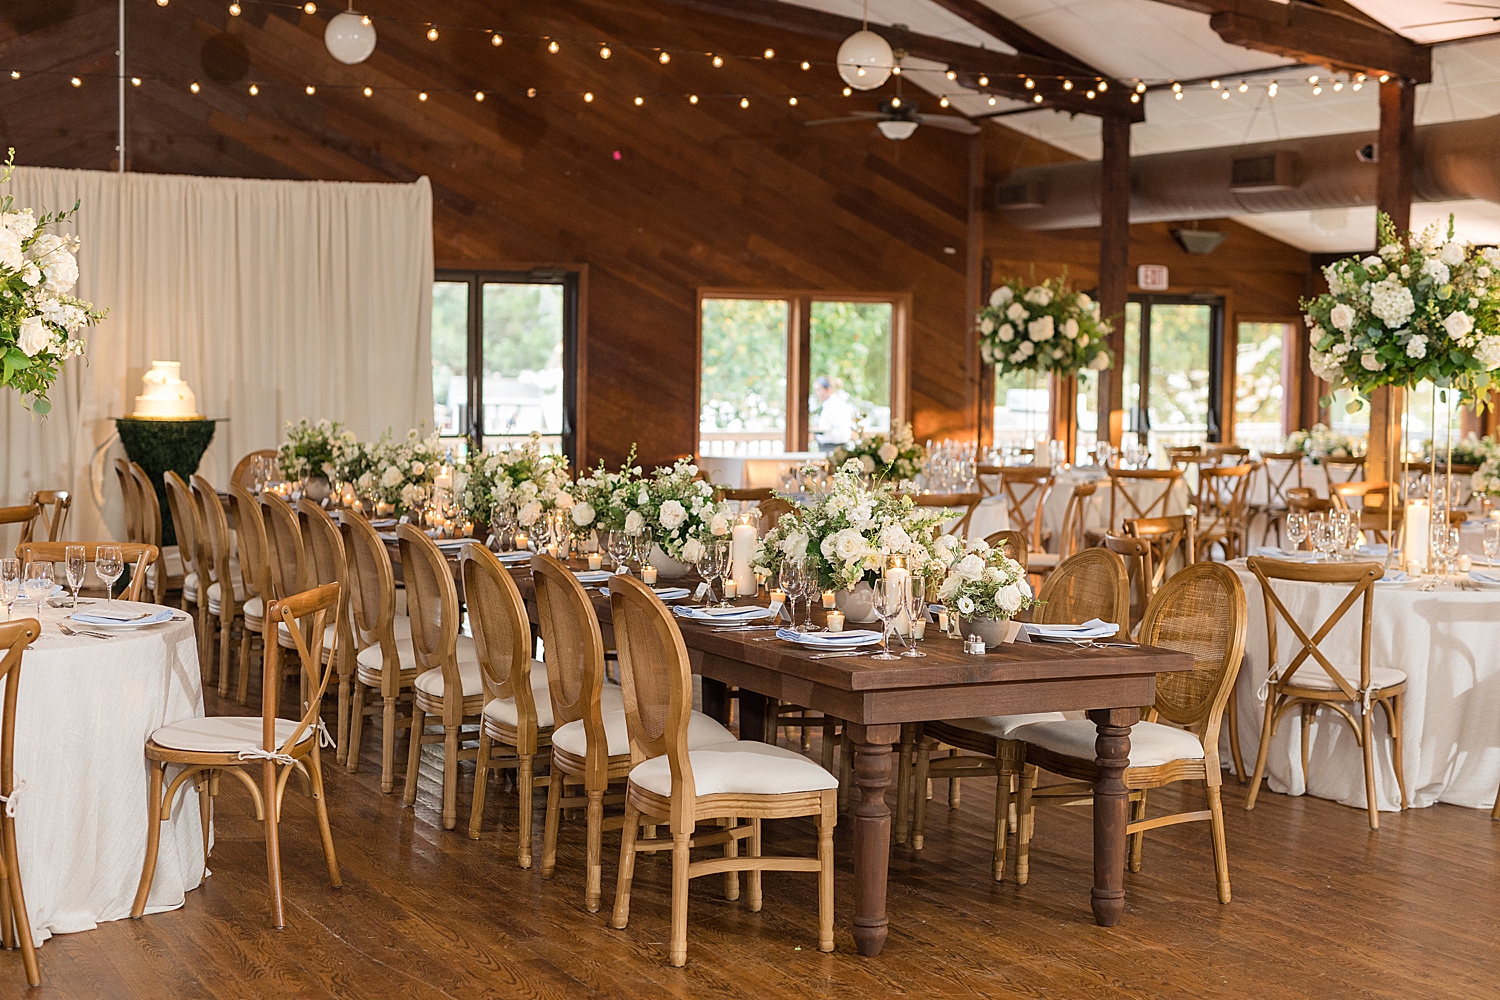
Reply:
x=897, y=119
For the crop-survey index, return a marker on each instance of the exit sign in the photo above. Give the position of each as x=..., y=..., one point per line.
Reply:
x=1152, y=278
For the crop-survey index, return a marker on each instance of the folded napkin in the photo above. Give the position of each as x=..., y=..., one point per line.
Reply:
x=452, y=543
x=1380, y=549
x=1296, y=555
x=592, y=575
x=384, y=522
x=1093, y=629
x=671, y=593
x=1394, y=575
x=736, y=615
x=832, y=640
x=1489, y=576
x=519, y=556
x=122, y=617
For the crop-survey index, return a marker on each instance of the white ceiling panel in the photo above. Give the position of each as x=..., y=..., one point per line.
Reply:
x=1353, y=230
x=1434, y=20
x=920, y=16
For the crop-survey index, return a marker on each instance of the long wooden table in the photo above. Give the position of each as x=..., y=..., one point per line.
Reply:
x=876, y=697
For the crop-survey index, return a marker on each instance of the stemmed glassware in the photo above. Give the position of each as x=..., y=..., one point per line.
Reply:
x=619, y=550
x=721, y=563
x=76, y=559
x=916, y=610
x=887, y=598
x=38, y=583
x=790, y=581
x=1445, y=546
x=1491, y=540
x=10, y=583
x=108, y=565
x=1296, y=528
x=640, y=548
x=1324, y=537
x=810, y=592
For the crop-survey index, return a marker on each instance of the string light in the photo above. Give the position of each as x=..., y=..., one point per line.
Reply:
x=984, y=81
x=1178, y=95
x=1385, y=78
x=194, y=85
x=1338, y=85
x=792, y=101
x=553, y=47
x=530, y=91
x=1036, y=98
x=951, y=75
x=1134, y=98
x=1317, y=91
x=311, y=90
x=664, y=58
x=422, y=96
x=1067, y=85
x=1176, y=88
x=369, y=92
x=1244, y=86
x=479, y=96
x=76, y=82
x=1140, y=87
x=1271, y=90
x=234, y=10
x=254, y=90
x=848, y=91
x=639, y=100
x=1225, y=95
x=1030, y=83
x=161, y=3
x=432, y=34
x=15, y=74
x=496, y=40
x=942, y=102
x=895, y=71
x=1089, y=95
x=769, y=53
x=1313, y=78
x=718, y=61
x=588, y=97
x=744, y=102
x=992, y=100
x=135, y=81
x=309, y=8
x=604, y=52
x=806, y=65
x=692, y=98
x=895, y=102
x=1214, y=84
x=1103, y=86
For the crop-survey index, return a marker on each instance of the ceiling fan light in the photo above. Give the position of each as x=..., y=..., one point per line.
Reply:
x=896, y=130
x=865, y=60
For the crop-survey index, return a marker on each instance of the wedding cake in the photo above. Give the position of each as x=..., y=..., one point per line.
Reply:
x=167, y=395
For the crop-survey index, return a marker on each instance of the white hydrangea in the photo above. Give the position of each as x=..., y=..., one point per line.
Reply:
x=986, y=326
x=1437, y=271
x=1040, y=295
x=1325, y=366
x=1487, y=352
x=1001, y=295
x=1070, y=329
x=1040, y=329
x=1007, y=333
x=1391, y=301
x=1416, y=347
x=1016, y=312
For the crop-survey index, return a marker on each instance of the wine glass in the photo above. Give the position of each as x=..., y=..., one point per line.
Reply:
x=108, y=565
x=1325, y=538
x=790, y=581
x=887, y=597
x=38, y=583
x=720, y=550
x=1447, y=539
x=1296, y=528
x=619, y=550
x=640, y=548
x=76, y=558
x=1491, y=540
x=10, y=583
x=916, y=610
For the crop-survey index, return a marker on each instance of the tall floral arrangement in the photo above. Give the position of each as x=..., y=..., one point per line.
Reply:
x=601, y=499
x=39, y=319
x=524, y=476
x=394, y=471
x=894, y=456
x=1421, y=308
x=983, y=582
x=310, y=448
x=1319, y=442
x=677, y=508
x=845, y=533
x=1045, y=328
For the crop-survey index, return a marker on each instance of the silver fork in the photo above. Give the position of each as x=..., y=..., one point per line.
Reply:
x=828, y=656
x=92, y=635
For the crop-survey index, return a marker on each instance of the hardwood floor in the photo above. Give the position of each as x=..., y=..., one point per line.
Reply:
x=1323, y=908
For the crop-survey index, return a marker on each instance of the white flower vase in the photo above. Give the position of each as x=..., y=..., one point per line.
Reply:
x=994, y=631
x=666, y=567
x=318, y=489
x=857, y=604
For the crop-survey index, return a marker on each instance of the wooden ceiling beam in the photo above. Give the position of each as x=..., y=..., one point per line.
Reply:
x=1315, y=34
x=997, y=25
x=1006, y=72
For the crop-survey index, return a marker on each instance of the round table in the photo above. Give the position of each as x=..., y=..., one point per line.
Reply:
x=1444, y=639
x=85, y=708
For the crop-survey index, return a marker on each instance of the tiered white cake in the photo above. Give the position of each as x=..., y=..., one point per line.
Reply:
x=167, y=395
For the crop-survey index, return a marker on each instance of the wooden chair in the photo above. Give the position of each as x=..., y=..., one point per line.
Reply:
x=208, y=747
x=386, y=664
x=330, y=564
x=290, y=571
x=243, y=469
x=968, y=502
x=130, y=494
x=23, y=514
x=185, y=524
x=1157, y=485
x=133, y=554
x=1090, y=584
x=1307, y=500
x=1138, y=570
x=1026, y=489
x=744, y=496
x=15, y=923
x=672, y=783
x=1353, y=699
x=447, y=686
x=1343, y=470
x=1170, y=537
x=1014, y=543
x=1370, y=495
x=226, y=594
x=1073, y=537
x=1222, y=518
x=255, y=575
x=1226, y=454
x=590, y=743
x=1279, y=470
x=167, y=574
x=515, y=688
x=773, y=510
x=1201, y=611
x=58, y=502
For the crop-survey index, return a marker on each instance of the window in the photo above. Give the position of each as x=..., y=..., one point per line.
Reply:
x=784, y=373
x=1022, y=409
x=1172, y=370
x=503, y=356
x=1258, y=384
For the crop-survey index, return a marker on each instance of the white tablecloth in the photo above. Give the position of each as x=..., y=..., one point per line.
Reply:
x=85, y=709
x=1445, y=641
x=1144, y=493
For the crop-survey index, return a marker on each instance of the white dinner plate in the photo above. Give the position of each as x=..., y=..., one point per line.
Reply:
x=514, y=558
x=92, y=619
x=592, y=575
x=853, y=639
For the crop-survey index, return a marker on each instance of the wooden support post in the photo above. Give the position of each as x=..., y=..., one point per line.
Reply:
x=1114, y=267
x=1393, y=193
x=975, y=289
x=1063, y=395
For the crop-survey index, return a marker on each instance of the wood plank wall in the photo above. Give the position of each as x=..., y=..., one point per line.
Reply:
x=651, y=203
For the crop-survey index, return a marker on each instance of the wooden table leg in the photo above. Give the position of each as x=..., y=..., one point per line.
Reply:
x=757, y=717
x=1111, y=811
x=716, y=700
x=872, y=832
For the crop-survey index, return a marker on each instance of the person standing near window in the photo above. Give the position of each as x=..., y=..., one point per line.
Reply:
x=834, y=418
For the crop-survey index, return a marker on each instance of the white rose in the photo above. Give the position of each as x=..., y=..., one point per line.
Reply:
x=1371, y=361
x=987, y=352
x=583, y=514
x=672, y=514
x=1070, y=329
x=391, y=477
x=895, y=539
x=1001, y=295
x=1453, y=253
x=947, y=546
x=992, y=575
x=949, y=589
x=644, y=497
x=418, y=468
x=1100, y=362
x=718, y=526
x=1016, y=312
x=970, y=568
x=1458, y=324
x=34, y=337
x=529, y=513
x=408, y=493
x=1040, y=329
x=692, y=550
x=634, y=523
x=888, y=453
x=867, y=463
x=1008, y=599
x=366, y=480
x=986, y=326
x=1342, y=317
x=1007, y=333
x=848, y=545
x=966, y=605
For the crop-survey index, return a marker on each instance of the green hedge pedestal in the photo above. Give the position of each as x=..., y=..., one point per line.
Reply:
x=162, y=443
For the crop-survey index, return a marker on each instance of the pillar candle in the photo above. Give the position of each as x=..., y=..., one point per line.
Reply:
x=1414, y=526
x=741, y=551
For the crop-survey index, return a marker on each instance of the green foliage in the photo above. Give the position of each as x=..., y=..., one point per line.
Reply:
x=851, y=342
x=1257, y=388
x=450, y=335
x=522, y=327
x=744, y=364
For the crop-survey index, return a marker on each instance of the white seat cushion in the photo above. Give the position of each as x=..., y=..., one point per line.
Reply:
x=1002, y=726
x=213, y=595
x=285, y=636
x=171, y=558
x=1312, y=675
x=223, y=734
x=1151, y=743
x=369, y=658
x=702, y=732
x=738, y=767
x=190, y=587
x=430, y=682
x=255, y=608
x=1042, y=559
x=503, y=710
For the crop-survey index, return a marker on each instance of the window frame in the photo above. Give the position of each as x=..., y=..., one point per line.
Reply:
x=1217, y=324
x=571, y=282
x=799, y=304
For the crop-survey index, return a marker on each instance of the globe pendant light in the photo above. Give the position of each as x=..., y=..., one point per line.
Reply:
x=350, y=37
x=865, y=60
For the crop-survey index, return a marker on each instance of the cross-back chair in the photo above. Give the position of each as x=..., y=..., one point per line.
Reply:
x=1281, y=471
x=1343, y=469
x=133, y=554
x=673, y=783
x=226, y=594
x=1200, y=611
x=1172, y=538
x=1222, y=520
x=771, y=511
x=1306, y=499
x=55, y=505
x=1311, y=680
x=15, y=923
x=22, y=514
x=1138, y=570
x=205, y=748
x=1073, y=536
x=1154, y=486
x=447, y=687
x=1369, y=495
x=759, y=495
x=167, y=573
x=967, y=502
x=1026, y=489
x=255, y=575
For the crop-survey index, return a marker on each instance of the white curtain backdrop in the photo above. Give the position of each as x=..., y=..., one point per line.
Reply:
x=282, y=299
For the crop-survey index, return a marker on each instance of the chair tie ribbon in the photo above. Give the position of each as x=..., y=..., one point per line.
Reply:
x=256, y=753
x=1272, y=676
x=15, y=793
x=325, y=738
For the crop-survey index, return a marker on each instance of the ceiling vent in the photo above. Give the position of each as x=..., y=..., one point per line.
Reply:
x=1026, y=194
x=1267, y=172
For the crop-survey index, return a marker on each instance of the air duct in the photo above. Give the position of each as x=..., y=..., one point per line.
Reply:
x=1454, y=161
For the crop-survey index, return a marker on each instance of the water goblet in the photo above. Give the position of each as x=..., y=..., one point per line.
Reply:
x=916, y=610
x=10, y=583
x=640, y=548
x=705, y=567
x=721, y=563
x=790, y=582
x=38, y=583
x=1296, y=528
x=1491, y=540
x=887, y=597
x=1324, y=536
x=108, y=565
x=76, y=559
